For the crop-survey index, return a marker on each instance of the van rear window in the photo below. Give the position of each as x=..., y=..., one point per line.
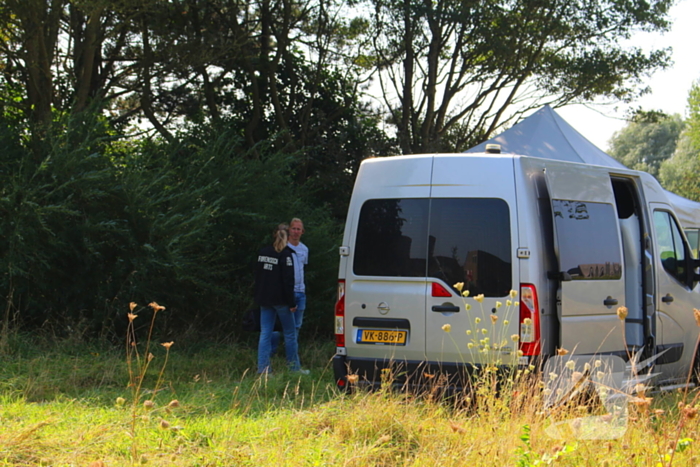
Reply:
x=454, y=239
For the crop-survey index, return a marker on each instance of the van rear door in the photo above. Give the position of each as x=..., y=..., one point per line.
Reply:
x=385, y=281
x=589, y=252
x=473, y=217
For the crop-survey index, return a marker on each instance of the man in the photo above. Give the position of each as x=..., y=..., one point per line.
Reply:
x=301, y=259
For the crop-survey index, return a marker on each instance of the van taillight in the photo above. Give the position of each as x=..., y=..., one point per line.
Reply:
x=340, y=316
x=440, y=291
x=529, y=320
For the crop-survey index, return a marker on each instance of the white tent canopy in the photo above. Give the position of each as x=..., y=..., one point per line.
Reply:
x=545, y=134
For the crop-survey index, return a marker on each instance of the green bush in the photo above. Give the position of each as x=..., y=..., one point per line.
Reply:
x=100, y=221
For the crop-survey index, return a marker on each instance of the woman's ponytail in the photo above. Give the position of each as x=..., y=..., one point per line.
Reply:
x=280, y=237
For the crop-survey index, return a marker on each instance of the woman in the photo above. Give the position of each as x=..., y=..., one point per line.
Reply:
x=274, y=292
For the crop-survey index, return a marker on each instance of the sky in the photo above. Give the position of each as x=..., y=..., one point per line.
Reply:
x=669, y=88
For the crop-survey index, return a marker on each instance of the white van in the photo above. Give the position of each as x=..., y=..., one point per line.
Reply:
x=574, y=241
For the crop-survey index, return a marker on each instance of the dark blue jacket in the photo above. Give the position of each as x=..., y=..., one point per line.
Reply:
x=274, y=278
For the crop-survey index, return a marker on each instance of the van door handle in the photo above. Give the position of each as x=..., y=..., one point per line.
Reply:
x=668, y=298
x=610, y=301
x=446, y=308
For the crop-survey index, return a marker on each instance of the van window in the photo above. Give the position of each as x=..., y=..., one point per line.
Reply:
x=392, y=238
x=694, y=240
x=671, y=248
x=588, y=240
x=453, y=239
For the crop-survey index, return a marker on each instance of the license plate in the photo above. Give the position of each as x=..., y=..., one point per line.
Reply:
x=380, y=336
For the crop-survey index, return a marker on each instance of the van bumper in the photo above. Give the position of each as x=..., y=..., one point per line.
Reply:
x=406, y=375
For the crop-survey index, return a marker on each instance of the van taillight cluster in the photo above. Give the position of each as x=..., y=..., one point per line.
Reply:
x=529, y=320
x=340, y=316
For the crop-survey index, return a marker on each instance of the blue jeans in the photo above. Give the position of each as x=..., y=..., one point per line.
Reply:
x=268, y=314
x=299, y=314
x=298, y=319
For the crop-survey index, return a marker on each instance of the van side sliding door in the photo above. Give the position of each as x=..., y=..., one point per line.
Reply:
x=589, y=252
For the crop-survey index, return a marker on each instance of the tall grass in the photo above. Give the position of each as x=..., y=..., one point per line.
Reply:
x=59, y=406
x=69, y=403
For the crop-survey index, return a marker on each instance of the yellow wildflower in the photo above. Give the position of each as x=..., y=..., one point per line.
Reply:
x=446, y=327
x=479, y=298
x=132, y=305
x=459, y=286
x=622, y=312
x=167, y=345
x=494, y=319
x=465, y=293
x=499, y=304
x=513, y=293
x=156, y=307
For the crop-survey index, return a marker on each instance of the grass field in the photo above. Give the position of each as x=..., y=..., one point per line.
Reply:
x=72, y=404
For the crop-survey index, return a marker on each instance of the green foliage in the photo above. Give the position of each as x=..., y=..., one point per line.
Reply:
x=694, y=114
x=528, y=459
x=646, y=142
x=680, y=173
x=98, y=223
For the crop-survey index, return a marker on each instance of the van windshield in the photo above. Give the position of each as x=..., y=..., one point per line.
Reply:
x=452, y=239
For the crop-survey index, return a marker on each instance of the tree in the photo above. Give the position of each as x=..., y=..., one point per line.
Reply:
x=680, y=173
x=644, y=144
x=694, y=114
x=454, y=71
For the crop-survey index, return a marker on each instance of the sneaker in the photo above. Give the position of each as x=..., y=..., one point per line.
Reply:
x=303, y=371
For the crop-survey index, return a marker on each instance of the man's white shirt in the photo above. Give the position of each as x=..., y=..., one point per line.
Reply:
x=301, y=259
